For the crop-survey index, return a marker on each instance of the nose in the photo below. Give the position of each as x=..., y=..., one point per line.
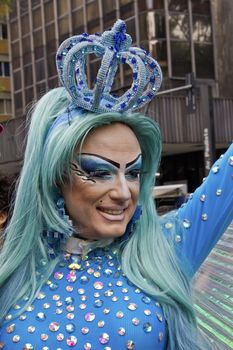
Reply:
x=121, y=190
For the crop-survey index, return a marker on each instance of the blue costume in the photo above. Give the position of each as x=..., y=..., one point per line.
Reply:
x=89, y=304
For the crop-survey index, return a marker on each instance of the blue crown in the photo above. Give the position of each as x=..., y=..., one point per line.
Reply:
x=114, y=47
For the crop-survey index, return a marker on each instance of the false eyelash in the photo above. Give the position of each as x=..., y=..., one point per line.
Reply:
x=81, y=173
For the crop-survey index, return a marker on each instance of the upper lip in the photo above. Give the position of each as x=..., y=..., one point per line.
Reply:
x=112, y=208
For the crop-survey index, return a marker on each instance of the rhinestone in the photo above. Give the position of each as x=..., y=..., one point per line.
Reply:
x=85, y=330
x=157, y=304
x=218, y=192
x=87, y=346
x=204, y=217
x=40, y=295
x=69, y=288
x=160, y=336
x=126, y=298
x=81, y=291
x=110, y=284
x=58, y=275
x=70, y=327
x=101, y=324
x=130, y=344
x=70, y=308
x=30, y=308
x=98, y=303
x=71, y=341
x=96, y=294
x=186, y=223
x=54, y=326
x=124, y=290
x=71, y=277
x=45, y=348
x=90, y=317
x=83, y=279
x=70, y=316
x=44, y=336
x=121, y=331
x=16, y=307
x=28, y=347
x=22, y=317
x=82, y=306
x=96, y=274
x=56, y=297
x=107, y=272
x=132, y=306
x=108, y=293
x=147, y=312
x=90, y=271
x=10, y=328
x=168, y=225
x=74, y=266
x=106, y=311
x=69, y=300
x=98, y=285
x=46, y=305
x=53, y=286
x=104, y=338
x=135, y=321
x=114, y=298
x=215, y=169
x=16, y=338
x=83, y=297
x=147, y=327
x=60, y=337
x=202, y=198
x=107, y=348
x=146, y=299
x=137, y=291
x=59, y=311
x=159, y=317
x=119, y=283
x=178, y=238
x=120, y=314
x=230, y=161
x=40, y=316
x=31, y=329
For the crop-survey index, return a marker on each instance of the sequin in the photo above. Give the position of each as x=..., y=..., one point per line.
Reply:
x=218, y=192
x=69, y=288
x=159, y=317
x=108, y=293
x=96, y=294
x=104, y=338
x=16, y=307
x=119, y=283
x=46, y=305
x=121, y=331
x=90, y=271
x=130, y=345
x=147, y=312
x=16, y=338
x=89, y=317
x=124, y=290
x=186, y=223
x=107, y=348
x=81, y=291
x=82, y=306
x=83, y=279
x=71, y=277
x=70, y=308
x=202, y=198
x=114, y=298
x=98, y=303
x=31, y=329
x=126, y=298
x=101, y=324
x=106, y=311
x=40, y=316
x=135, y=321
x=8, y=317
x=215, y=169
x=146, y=299
x=98, y=285
x=96, y=274
x=59, y=303
x=85, y=330
x=70, y=327
x=87, y=346
x=30, y=308
x=147, y=327
x=58, y=275
x=70, y=316
x=71, y=341
x=132, y=306
x=83, y=297
x=22, y=317
x=59, y=311
x=28, y=346
x=204, y=217
x=56, y=297
x=160, y=336
x=10, y=328
x=44, y=336
x=60, y=337
x=137, y=291
x=120, y=314
x=54, y=326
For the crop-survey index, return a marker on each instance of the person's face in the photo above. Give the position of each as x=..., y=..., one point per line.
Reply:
x=103, y=195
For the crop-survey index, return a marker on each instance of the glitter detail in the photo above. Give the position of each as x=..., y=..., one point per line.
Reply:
x=40, y=295
x=168, y=225
x=202, y=198
x=30, y=308
x=22, y=317
x=70, y=308
x=87, y=346
x=98, y=303
x=121, y=331
x=108, y=293
x=81, y=291
x=54, y=326
x=147, y=312
x=147, y=327
x=46, y=305
x=71, y=341
x=44, y=336
x=58, y=275
x=31, y=329
x=28, y=346
x=104, y=338
x=135, y=321
x=178, y=238
x=70, y=327
x=114, y=298
x=98, y=285
x=16, y=338
x=60, y=337
x=101, y=323
x=130, y=345
x=106, y=311
x=69, y=300
x=85, y=330
x=83, y=279
x=186, y=223
x=82, y=306
x=119, y=314
x=159, y=317
x=204, y=217
x=96, y=274
x=230, y=161
x=56, y=297
x=40, y=316
x=90, y=317
x=160, y=336
x=132, y=306
x=107, y=272
x=215, y=169
x=10, y=328
x=70, y=316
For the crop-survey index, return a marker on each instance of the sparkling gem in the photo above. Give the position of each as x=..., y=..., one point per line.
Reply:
x=69, y=288
x=106, y=311
x=215, y=169
x=40, y=316
x=132, y=306
x=83, y=279
x=53, y=286
x=54, y=326
x=58, y=275
x=147, y=327
x=59, y=311
x=82, y=306
x=28, y=346
x=126, y=298
x=137, y=291
x=70, y=327
x=119, y=283
x=30, y=308
x=178, y=238
x=87, y=346
x=31, y=329
x=186, y=223
x=202, y=198
x=89, y=317
x=40, y=295
x=74, y=266
x=16, y=338
x=146, y=299
x=218, y=192
x=85, y=330
x=121, y=331
x=71, y=277
x=107, y=348
x=107, y=272
x=10, y=328
x=83, y=297
x=104, y=338
x=44, y=336
x=135, y=321
x=147, y=312
x=59, y=303
x=60, y=337
x=168, y=225
x=22, y=317
x=130, y=345
x=96, y=294
x=16, y=307
x=157, y=304
x=98, y=285
x=114, y=298
x=204, y=217
x=69, y=300
x=124, y=290
x=70, y=308
x=120, y=314
x=160, y=336
x=46, y=305
x=81, y=291
x=96, y=274
x=108, y=293
x=230, y=161
x=70, y=316
x=45, y=348
x=98, y=303
x=90, y=271
x=71, y=341
x=159, y=317
x=101, y=324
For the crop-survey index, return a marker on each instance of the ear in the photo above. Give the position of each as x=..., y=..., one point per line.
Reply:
x=3, y=218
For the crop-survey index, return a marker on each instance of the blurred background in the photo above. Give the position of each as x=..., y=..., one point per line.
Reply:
x=193, y=43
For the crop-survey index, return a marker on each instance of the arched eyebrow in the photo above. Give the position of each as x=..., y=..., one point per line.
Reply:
x=117, y=165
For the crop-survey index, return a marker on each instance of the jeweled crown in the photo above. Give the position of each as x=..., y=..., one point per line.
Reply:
x=114, y=47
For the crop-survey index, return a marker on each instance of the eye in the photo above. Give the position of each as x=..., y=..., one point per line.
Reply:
x=100, y=174
x=133, y=174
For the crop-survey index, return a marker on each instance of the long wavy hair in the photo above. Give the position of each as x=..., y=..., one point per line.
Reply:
x=148, y=259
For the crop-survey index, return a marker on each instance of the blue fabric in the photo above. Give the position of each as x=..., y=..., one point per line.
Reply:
x=97, y=299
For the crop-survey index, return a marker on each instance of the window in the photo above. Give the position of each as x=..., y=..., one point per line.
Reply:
x=25, y=25
x=3, y=31
x=62, y=7
x=177, y=5
x=28, y=75
x=49, y=11
x=76, y=3
x=78, y=21
x=38, y=44
x=14, y=30
x=181, y=58
x=17, y=80
x=4, y=69
x=15, y=55
x=126, y=9
x=36, y=17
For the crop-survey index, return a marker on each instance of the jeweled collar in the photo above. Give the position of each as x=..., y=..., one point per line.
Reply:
x=81, y=247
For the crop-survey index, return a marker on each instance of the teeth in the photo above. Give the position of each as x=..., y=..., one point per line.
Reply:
x=111, y=211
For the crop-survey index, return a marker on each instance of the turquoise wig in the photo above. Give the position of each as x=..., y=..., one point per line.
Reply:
x=148, y=259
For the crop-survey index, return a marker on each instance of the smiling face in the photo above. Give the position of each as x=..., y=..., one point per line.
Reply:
x=104, y=192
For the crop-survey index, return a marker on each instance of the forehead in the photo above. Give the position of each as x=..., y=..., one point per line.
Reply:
x=115, y=141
